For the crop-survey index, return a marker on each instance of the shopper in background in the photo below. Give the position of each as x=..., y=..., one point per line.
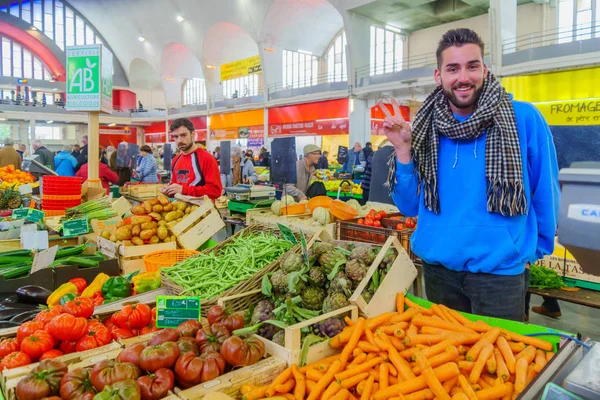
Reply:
x=378, y=168
x=194, y=172
x=242, y=170
x=323, y=161
x=111, y=156
x=105, y=175
x=76, y=151
x=264, y=158
x=355, y=158
x=485, y=171
x=146, y=169
x=82, y=158
x=305, y=171
x=21, y=150
x=368, y=150
x=8, y=154
x=45, y=156
x=65, y=163
x=217, y=153
x=250, y=156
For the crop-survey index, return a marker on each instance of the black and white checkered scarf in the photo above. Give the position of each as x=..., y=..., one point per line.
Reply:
x=504, y=168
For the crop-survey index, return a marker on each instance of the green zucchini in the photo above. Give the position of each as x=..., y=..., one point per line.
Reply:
x=23, y=253
x=81, y=261
x=17, y=272
x=70, y=251
x=14, y=259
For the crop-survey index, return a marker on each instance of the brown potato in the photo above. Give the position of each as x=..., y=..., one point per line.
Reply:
x=120, y=224
x=127, y=243
x=187, y=210
x=180, y=206
x=162, y=232
x=166, y=240
x=155, y=216
x=137, y=241
x=105, y=234
x=136, y=230
x=162, y=223
x=153, y=202
x=146, y=234
x=140, y=219
x=168, y=207
x=147, y=206
x=154, y=239
x=113, y=237
x=138, y=210
x=157, y=208
x=163, y=200
x=171, y=216
x=124, y=232
x=149, y=225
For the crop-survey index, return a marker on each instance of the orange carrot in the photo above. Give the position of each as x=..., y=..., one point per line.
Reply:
x=392, y=369
x=462, y=381
x=494, y=392
x=341, y=338
x=460, y=396
x=528, y=354
x=478, y=326
x=430, y=330
x=530, y=374
x=356, y=352
x=257, y=393
x=367, y=347
x=488, y=379
x=361, y=386
x=368, y=389
x=352, y=397
x=384, y=376
x=426, y=321
x=466, y=365
x=348, y=321
x=508, y=395
x=454, y=340
x=448, y=316
x=442, y=373
x=549, y=355
x=432, y=381
x=314, y=375
x=411, y=304
x=448, y=385
x=489, y=337
x=281, y=378
x=457, y=316
x=438, y=311
x=405, y=316
x=352, y=342
x=246, y=389
x=331, y=390
x=426, y=339
x=449, y=355
x=483, y=384
x=369, y=335
x=285, y=387
x=507, y=354
x=310, y=385
x=501, y=368
x=300, y=389
x=425, y=394
x=532, y=341
x=326, y=360
x=373, y=355
x=397, y=343
x=490, y=365
x=485, y=353
x=516, y=347
x=401, y=365
x=412, y=330
x=540, y=358
x=520, y=375
x=324, y=382
x=354, y=380
x=381, y=319
x=364, y=367
x=400, y=302
x=359, y=359
x=375, y=388
x=391, y=329
x=462, y=350
x=343, y=394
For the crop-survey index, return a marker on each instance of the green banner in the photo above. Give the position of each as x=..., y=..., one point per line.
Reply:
x=173, y=310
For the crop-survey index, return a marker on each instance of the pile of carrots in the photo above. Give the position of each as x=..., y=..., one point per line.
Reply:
x=415, y=354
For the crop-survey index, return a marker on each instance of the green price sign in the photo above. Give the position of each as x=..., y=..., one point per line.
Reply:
x=287, y=233
x=173, y=310
x=20, y=213
x=35, y=215
x=76, y=227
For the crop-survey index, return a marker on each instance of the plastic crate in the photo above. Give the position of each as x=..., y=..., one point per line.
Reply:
x=54, y=213
x=60, y=204
x=166, y=258
x=61, y=185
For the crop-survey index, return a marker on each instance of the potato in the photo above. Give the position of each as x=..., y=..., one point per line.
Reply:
x=140, y=219
x=149, y=225
x=147, y=206
x=146, y=234
x=173, y=238
x=154, y=239
x=136, y=240
x=187, y=210
x=166, y=240
x=124, y=232
x=105, y=234
x=157, y=208
x=155, y=216
x=181, y=206
x=120, y=224
x=172, y=223
x=136, y=230
x=113, y=237
x=138, y=210
x=171, y=216
x=162, y=232
x=168, y=207
x=153, y=202
x=127, y=243
x=163, y=200
x=178, y=219
x=162, y=223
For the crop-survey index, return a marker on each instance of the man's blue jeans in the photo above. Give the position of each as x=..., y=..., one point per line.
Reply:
x=500, y=296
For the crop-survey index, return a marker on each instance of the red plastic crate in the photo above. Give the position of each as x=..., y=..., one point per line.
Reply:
x=61, y=185
x=59, y=204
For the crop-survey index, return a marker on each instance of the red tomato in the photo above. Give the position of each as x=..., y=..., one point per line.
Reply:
x=377, y=217
x=51, y=354
x=68, y=347
x=134, y=316
x=369, y=221
x=163, y=355
x=361, y=221
x=80, y=283
x=76, y=384
x=96, y=335
x=157, y=385
x=191, y=370
x=239, y=351
x=377, y=223
x=110, y=322
x=231, y=321
x=48, y=314
x=97, y=299
x=28, y=328
x=383, y=213
x=108, y=372
x=211, y=338
x=121, y=333
x=67, y=327
x=14, y=360
x=150, y=328
x=131, y=353
x=189, y=328
x=80, y=307
x=410, y=223
x=37, y=344
x=400, y=227
x=9, y=345
x=165, y=335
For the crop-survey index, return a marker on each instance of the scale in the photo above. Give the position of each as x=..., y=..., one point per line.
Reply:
x=244, y=197
x=574, y=372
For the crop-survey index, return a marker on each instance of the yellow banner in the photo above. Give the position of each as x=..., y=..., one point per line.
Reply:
x=571, y=112
x=240, y=68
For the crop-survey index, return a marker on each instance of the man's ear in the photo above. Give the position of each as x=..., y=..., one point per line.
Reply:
x=437, y=75
x=485, y=70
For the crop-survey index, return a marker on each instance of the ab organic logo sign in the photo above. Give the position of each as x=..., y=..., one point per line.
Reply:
x=85, y=75
x=89, y=78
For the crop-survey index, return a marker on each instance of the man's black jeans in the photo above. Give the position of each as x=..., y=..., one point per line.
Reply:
x=500, y=296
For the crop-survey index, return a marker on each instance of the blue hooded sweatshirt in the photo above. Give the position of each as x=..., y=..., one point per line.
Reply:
x=65, y=163
x=464, y=236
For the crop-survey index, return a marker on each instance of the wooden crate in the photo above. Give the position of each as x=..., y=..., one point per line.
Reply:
x=142, y=191
x=294, y=222
x=131, y=257
x=15, y=244
x=400, y=277
x=291, y=351
x=261, y=373
x=199, y=226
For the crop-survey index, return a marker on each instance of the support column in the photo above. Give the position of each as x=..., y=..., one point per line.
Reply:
x=267, y=144
x=503, y=28
x=93, y=149
x=360, y=124
x=30, y=136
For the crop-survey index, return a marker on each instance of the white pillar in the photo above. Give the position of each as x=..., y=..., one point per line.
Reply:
x=359, y=121
x=503, y=28
x=267, y=144
x=31, y=136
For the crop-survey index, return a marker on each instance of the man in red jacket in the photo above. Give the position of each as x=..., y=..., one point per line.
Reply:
x=194, y=172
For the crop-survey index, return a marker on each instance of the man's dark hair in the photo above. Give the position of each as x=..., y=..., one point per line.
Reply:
x=457, y=37
x=368, y=144
x=182, y=122
x=146, y=148
x=325, y=152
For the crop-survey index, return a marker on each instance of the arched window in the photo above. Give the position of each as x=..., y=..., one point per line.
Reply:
x=300, y=69
x=194, y=92
x=58, y=21
x=336, y=59
x=386, y=51
x=17, y=61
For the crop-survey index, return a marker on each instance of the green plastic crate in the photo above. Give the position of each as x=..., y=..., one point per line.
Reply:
x=513, y=326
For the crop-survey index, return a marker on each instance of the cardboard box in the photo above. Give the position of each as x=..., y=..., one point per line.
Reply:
x=565, y=265
x=131, y=257
x=43, y=278
x=261, y=373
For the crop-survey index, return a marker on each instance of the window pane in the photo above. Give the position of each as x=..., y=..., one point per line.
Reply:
x=26, y=11
x=584, y=5
x=565, y=21
x=89, y=35
x=17, y=61
x=584, y=25
x=27, y=65
x=37, y=14
x=79, y=31
x=14, y=10
x=6, y=58
x=37, y=69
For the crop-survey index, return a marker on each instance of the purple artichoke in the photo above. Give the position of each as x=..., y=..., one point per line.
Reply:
x=331, y=327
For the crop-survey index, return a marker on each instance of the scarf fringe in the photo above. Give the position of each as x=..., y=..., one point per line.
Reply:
x=506, y=197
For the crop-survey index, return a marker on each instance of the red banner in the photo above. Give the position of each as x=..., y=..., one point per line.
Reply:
x=113, y=135
x=377, y=117
x=334, y=126
x=157, y=131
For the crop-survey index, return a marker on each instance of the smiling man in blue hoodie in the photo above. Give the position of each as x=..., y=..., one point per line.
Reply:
x=480, y=171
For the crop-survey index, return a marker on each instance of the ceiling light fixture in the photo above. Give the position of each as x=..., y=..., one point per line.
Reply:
x=393, y=28
x=52, y=80
x=2, y=119
x=49, y=122
x=270, y=50
x=33, y=28
x=211, y=67
x=169, y=79
x=179, y=18
x=55, y=89
x=305, y=52
x=141, y=38
x=113, y=124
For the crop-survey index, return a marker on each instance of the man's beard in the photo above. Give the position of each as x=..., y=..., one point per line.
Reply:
x=452, y=98
x=184, y=149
